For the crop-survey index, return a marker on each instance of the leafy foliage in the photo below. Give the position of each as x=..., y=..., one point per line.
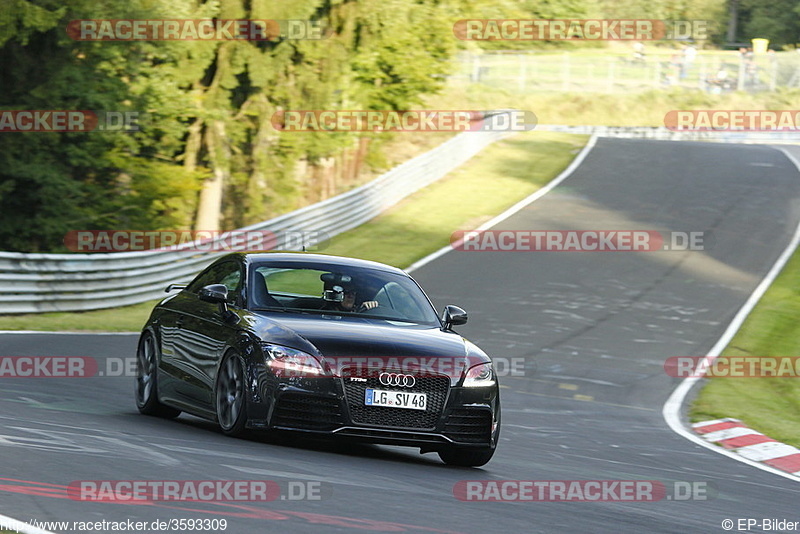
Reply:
x=205, y=107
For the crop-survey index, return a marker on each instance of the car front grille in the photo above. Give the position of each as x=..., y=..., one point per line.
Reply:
x=435, y=386
x=296, y=410
x=469, y=426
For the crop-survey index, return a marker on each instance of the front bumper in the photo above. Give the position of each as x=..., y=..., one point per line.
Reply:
x=457, y=416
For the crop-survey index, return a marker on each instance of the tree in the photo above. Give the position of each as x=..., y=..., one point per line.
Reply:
x=777, y=20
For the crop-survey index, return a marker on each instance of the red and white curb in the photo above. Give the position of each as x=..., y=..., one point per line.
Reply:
x=732, y=434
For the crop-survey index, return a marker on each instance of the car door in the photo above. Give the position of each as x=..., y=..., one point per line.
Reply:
x=203, y=334
x=173, y=365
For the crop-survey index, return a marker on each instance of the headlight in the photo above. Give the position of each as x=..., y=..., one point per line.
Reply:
x=286, y=362
x=479, y=376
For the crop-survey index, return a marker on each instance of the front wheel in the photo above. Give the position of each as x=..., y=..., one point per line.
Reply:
x=466, y=457
x=147, y=381
x=230, y=396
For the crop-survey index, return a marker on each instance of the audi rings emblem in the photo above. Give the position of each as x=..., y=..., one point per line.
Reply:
x=395, y=379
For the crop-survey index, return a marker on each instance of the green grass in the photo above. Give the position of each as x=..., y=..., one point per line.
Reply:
x=497, y=178
x=124, y=319
x=769, y=405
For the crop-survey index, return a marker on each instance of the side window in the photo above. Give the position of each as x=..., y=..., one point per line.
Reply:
x=227, y=273
x=232, y=281
x=201, y=280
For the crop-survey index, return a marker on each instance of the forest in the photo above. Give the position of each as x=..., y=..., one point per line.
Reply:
x=204, y=154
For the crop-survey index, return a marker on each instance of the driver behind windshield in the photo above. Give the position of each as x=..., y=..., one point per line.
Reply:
x=341, y=294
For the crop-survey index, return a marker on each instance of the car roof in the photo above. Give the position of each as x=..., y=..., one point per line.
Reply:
x=301, y=258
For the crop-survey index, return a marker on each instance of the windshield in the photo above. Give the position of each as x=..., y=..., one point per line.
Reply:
x=343, y=290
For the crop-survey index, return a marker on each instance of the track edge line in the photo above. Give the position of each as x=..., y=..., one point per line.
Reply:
x=674, y=404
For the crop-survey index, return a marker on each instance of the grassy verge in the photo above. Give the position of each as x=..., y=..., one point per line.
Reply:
x=500, y=176
x=123, y=319
x=769, y=405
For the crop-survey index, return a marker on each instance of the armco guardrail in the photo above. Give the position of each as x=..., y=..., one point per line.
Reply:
x=35, y=283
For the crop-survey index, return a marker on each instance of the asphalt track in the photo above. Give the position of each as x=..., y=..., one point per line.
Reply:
x=594, y=328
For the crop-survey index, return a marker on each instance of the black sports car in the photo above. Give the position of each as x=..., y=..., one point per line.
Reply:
x=319, y=344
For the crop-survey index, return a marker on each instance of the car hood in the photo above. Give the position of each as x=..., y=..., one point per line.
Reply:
x=374, y=342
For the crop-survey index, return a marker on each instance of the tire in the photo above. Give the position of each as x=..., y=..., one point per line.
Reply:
x=229, y=396
x=466, y=457
x=146, y=388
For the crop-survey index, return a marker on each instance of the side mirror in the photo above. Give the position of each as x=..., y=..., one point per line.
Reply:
x=216, y=293
x=453, y=316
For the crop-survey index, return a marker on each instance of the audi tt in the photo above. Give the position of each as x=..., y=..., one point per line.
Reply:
x=324, y=345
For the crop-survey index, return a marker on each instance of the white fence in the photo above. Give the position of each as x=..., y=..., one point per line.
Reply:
x=35, y=283
x=613, y=72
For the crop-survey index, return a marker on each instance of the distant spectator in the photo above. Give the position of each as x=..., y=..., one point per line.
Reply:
x=689, y=55
x=745, y=54
x=721, y=82
x=674, y=69
x=638, y=52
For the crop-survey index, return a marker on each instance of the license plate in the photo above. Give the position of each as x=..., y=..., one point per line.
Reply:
x=396, y=399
